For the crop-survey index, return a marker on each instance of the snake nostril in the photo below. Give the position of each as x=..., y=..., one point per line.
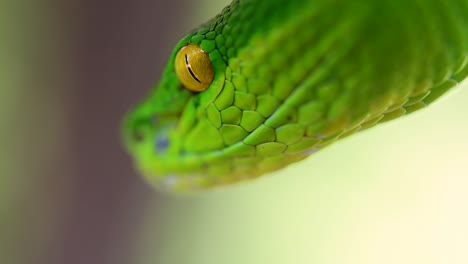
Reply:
x=137, y=135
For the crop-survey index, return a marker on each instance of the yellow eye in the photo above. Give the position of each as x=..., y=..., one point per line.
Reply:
x=193, y=67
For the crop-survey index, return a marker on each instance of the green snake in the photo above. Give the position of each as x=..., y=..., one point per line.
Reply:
x=267, y=83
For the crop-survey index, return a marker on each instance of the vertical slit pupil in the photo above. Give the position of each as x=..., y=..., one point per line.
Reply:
x=190, y=69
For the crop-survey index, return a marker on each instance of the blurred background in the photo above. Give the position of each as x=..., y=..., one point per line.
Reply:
x=69, y=70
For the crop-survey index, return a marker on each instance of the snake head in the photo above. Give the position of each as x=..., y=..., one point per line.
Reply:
x=176, y=135
x=202, y=126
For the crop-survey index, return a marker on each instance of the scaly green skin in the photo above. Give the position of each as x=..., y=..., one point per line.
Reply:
x=291, y=77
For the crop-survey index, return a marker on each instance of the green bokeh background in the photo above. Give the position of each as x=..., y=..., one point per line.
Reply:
x=393, y=194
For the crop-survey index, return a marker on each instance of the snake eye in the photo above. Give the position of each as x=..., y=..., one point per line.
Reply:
x=193, y=67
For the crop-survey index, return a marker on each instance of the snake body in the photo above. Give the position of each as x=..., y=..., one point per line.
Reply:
x=290, y=77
